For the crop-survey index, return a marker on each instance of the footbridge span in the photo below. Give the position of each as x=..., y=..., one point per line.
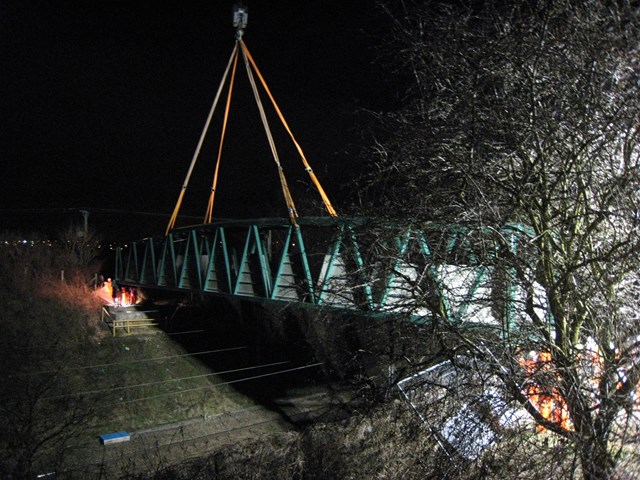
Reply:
x=352, y=264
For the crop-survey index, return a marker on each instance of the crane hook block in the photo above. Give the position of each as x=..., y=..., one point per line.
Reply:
x=240, y=18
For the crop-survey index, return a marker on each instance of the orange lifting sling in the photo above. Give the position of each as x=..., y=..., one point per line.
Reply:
x=231, y=66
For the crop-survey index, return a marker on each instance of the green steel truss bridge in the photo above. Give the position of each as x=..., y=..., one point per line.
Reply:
x=348, y=264
x=351, y=264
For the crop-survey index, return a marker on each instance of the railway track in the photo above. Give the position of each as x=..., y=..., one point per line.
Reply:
x=170, y=444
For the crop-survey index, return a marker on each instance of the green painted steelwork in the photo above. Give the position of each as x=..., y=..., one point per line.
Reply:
x=353, y=264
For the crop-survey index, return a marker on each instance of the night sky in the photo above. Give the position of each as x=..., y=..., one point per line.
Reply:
x=104, y=102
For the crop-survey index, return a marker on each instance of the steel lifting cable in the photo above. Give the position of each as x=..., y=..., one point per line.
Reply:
x=209, y=214
x=307, y=166
x=293, y=214
x=174, y=216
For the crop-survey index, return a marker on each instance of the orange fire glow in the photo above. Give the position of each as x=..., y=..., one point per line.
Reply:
x=547, y=400
x=124, y=297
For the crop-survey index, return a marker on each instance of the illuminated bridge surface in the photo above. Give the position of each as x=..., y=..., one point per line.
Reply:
x=354, y=264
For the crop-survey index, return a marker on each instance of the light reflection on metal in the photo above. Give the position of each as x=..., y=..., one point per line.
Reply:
x=462, y=406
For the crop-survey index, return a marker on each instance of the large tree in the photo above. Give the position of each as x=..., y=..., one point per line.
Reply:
x=528, y=113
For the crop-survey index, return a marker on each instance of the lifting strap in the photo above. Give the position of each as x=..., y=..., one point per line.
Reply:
x=209, y=215
x=174, y=216
x=314, y=179
x=249, y=63
x=291, y=208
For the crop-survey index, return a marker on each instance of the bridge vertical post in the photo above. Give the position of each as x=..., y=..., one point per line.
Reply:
x=328, y=266
x=168, y=258
x=305, y=265
x=401, y=242
x=132, y=267
x=510, y=307
x=190, y=271
x=265, y=267
x=357, y=256
x=149, y=261
x=225, y=255
x=435, y=278
x=217, y=249
x=244, y=280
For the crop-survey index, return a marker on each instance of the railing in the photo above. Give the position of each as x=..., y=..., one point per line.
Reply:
x=117, y=317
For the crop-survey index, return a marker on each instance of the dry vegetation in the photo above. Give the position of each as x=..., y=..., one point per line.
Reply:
x=66, y=380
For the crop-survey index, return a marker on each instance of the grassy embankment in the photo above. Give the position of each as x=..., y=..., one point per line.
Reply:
x=66, y=379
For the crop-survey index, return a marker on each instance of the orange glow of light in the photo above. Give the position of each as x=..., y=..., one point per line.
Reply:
x=125, y=297
x=547, y=400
